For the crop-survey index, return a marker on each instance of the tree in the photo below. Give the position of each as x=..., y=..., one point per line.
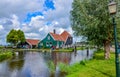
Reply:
x=15, y=36
x=21, y=36
x=91, y=19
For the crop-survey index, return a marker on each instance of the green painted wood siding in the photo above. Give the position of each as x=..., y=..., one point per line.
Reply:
x=48, y=42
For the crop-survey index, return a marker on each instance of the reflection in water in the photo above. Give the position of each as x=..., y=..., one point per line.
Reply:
x=4, y=69
x=81, y=55
x=35, y=64
x=16, y=63
x=58, y=57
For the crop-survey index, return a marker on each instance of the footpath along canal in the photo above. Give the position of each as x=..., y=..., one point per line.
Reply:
x=37, y=64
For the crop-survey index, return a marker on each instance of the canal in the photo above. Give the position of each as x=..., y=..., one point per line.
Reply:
x=37, y=64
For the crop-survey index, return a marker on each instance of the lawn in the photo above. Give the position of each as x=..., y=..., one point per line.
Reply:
x=97, y=67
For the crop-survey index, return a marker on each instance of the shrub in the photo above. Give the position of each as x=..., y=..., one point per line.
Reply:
x=5, y=55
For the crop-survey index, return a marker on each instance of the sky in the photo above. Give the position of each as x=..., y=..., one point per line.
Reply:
x=36, y=18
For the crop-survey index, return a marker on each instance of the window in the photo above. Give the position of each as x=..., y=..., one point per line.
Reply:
x=41, y=44
x=47, y=44
x=50, y=43
x=48, y=37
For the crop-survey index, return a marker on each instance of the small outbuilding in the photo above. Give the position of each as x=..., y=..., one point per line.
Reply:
x=29, y=43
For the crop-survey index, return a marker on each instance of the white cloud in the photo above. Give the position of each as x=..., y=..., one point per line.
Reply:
x=19, y=7
x=61, y=13
x=15, y=11
x=1, y=27
x=32, y=35
x=6, y=24
x=38, y=29
x=16, y=23
x=37, y=22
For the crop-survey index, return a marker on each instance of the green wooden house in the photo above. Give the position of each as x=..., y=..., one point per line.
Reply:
x=56, y=40
x=51, y=40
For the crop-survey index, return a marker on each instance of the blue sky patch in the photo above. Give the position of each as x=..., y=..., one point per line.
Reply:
x=33, y=14
x=49, y=4
x=48, y=23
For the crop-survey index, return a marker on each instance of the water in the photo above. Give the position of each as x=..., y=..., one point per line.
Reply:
x=35, y=64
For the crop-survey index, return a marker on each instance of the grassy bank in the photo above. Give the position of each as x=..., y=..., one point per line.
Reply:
x=64, y=50
x=97, y=67
x=5, y=55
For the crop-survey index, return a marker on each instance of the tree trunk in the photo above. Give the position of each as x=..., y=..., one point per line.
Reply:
x=107, y=49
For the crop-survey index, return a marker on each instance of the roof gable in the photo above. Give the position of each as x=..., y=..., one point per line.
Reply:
x=65, y=35
x=56, y=37
x=32, y=41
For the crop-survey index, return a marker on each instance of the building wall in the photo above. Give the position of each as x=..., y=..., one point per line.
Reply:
x=69, y=41
x=23, y=45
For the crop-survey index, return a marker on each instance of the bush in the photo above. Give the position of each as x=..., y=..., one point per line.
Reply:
x=63, y=67
x=5, y=55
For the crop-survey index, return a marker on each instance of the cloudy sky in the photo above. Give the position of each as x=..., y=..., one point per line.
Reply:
x=35, y=17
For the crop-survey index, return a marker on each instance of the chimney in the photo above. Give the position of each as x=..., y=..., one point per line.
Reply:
x=54, y=31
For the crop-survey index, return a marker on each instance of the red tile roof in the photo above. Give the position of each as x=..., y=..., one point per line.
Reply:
x=65, y=35
x=56, y=37
x=32, y=41
x=61, y=37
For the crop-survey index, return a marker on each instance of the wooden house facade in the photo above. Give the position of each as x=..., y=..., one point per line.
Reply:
x=51, y=41
x=56, y=40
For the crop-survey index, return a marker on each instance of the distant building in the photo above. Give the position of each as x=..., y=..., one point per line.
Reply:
x=56, y=40
x=82, y=43
x=29, y=43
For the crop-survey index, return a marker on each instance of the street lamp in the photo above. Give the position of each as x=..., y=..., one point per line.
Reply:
x=112, y=6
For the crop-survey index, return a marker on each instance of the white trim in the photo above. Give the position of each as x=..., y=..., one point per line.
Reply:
x=29, y=44
x=52, y=36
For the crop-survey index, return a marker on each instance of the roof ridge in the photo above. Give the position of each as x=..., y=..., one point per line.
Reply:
x=56, y=36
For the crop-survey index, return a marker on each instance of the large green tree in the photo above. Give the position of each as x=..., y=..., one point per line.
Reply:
x=15, y=36
x=91, y=19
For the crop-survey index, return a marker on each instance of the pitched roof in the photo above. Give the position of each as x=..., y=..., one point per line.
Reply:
x=56, y=37
x=65, y=35
x=62, y=37
x=32, y=41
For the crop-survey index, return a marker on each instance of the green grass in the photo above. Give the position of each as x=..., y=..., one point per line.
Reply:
x=1, y=47
x=51, y=66
x=64, y=50
x=97, y=67
x=81, y=48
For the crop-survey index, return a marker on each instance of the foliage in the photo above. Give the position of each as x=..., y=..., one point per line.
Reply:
x=51, y=66
x=5, y=55
x=64, y=50
x=90, y=18
x=81, y=48
x=63, y=67
x=15, y=36
x=118, y=30
x=118, y=19
x=97, y=67
x=21, y=36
